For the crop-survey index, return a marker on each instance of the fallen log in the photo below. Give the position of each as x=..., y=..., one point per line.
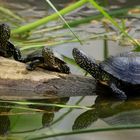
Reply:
x=18, y=83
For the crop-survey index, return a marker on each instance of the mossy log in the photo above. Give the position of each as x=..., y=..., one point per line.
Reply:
x=18, y=83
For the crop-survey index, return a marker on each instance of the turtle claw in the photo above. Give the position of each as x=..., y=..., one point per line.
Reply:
x=118, y=93
x=32, y=65
x=30, y=68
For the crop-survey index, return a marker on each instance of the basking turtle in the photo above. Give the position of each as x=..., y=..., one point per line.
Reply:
x=46, y=59
x=7, y=49
x=121, y=73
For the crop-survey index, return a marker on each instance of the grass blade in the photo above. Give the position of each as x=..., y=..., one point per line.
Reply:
x=127, y=127
x=46, y=104
x=62, y=18
x=133, y=41
x=47, y=19
x=10, y=13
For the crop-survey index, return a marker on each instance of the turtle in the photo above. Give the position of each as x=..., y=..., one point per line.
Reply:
x=121, y=73
x=7, y=49
x=46, y=59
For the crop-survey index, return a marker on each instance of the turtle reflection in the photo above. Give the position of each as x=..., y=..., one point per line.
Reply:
x=4, y=118
x=49, y=111
x=112, y=111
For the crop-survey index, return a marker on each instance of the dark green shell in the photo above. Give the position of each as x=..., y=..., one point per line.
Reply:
x=125, y=67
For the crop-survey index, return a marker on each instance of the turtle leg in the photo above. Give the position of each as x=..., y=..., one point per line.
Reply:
x=32, y=65
x=119, y=93
x=64, y=69
x=15, y=52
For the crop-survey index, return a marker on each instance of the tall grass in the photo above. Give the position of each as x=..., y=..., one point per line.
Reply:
x=32, y=26
x=116, y=128
x=120, y=28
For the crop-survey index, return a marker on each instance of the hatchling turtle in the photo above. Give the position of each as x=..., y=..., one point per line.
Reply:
x=46, y=59
x=7, y=49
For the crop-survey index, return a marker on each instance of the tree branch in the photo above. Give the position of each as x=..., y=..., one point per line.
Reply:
x=18, y=83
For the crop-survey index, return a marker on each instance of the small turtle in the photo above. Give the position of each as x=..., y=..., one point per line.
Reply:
x=46, y=59
x=7, y=49
x=121, y=73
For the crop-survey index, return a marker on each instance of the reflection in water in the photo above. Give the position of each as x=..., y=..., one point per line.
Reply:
x=112, y=111
x=4, y=125
x=47, y=118
x=4, y=118
x=48, y=115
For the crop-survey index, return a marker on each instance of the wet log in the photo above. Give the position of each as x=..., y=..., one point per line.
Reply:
x=18, y=83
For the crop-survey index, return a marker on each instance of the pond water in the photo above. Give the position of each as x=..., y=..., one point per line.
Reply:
x=31, y=121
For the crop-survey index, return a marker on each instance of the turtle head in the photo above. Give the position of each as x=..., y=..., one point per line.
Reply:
x=4, y=32
x=48, y=56
x=86, y=63
x=47, y=52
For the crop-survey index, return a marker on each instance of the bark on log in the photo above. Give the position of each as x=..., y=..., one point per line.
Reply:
x=18, y=83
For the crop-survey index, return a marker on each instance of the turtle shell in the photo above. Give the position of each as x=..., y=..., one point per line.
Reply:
x=125, y=67
x=52, y=56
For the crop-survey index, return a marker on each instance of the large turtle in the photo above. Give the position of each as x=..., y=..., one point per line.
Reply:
x=121, y=73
